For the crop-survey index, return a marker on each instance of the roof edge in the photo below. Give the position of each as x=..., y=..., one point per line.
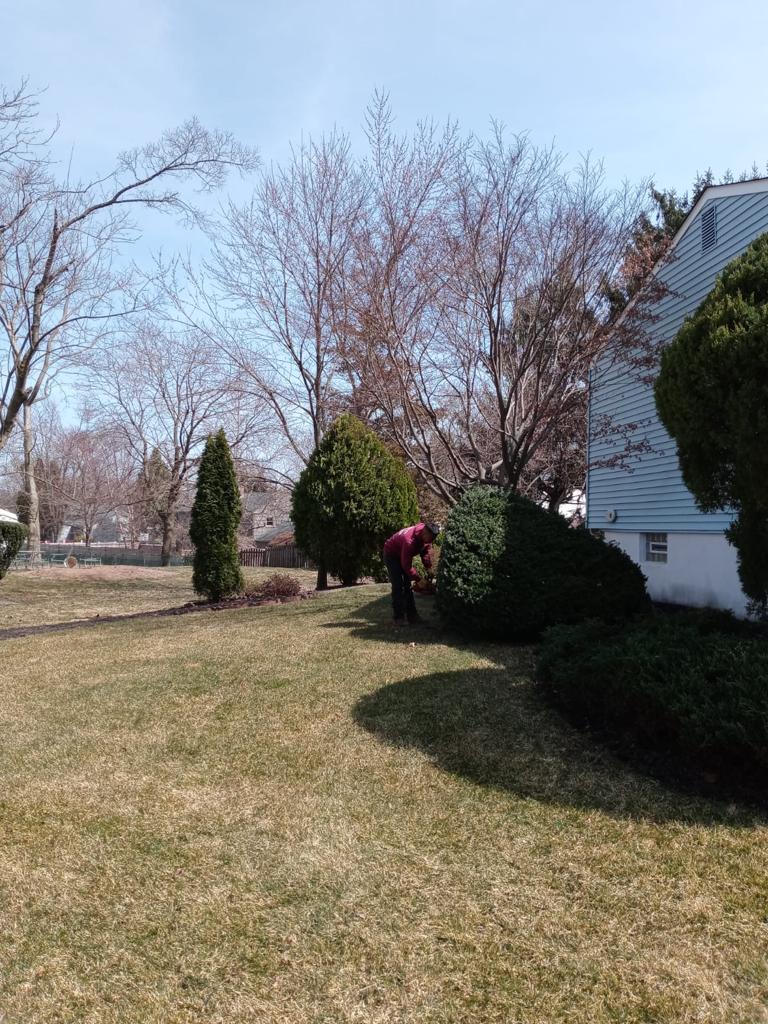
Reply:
x=733, y=188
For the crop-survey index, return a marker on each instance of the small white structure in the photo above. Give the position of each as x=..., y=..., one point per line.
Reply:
x=8, y=517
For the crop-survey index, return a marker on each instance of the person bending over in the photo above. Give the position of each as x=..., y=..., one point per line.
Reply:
x=399, y=553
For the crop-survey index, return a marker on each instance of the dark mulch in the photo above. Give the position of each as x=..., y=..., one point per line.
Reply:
x=241, y=601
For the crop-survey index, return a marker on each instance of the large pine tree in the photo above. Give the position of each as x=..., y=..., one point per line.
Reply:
x=215, y=519
x=353, y=494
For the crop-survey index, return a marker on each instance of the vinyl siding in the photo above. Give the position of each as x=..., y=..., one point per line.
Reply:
x=649, y=495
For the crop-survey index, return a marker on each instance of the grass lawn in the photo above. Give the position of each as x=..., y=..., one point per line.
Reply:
x=32, y=597
x=295, y=815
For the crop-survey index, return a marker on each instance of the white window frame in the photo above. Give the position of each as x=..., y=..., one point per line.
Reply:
x=656, y=547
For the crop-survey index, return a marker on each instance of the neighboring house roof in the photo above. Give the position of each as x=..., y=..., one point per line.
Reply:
x=282, y=532
x=8, y=517
x=266, y=501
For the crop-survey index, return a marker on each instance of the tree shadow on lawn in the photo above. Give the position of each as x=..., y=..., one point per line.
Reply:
x=494, y=727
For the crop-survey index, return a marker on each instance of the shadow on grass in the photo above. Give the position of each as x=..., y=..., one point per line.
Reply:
x=487, y=726
x=494, y=727
x=373, y=621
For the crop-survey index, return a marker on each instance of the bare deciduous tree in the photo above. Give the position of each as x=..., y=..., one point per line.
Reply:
x=165, y=390
x=97, y=476
x=480, y=374
x=282, y=264
x=58, y=243
x=452, y=291
x=56, y=274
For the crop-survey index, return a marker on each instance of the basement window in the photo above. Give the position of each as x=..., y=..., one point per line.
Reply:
x=656, y=547
x=709, y=228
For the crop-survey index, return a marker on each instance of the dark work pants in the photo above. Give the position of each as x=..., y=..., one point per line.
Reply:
x=403, y=603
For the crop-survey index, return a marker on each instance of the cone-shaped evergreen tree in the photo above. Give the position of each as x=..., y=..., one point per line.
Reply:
x=353, y=494
x=215, y=519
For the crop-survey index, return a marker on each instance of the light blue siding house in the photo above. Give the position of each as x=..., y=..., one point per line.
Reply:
x=644, y=506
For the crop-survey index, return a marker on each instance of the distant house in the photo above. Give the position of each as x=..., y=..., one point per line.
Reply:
x=265, y=511
x=274, y=536
x=645, y=507
x=8, y=517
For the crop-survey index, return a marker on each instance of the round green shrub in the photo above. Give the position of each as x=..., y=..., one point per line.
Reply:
x=352, y=495
x=508, y=570
x=12, y=536
x=691, y=687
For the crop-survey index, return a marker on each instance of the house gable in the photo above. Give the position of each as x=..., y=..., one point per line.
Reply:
x=649, y=495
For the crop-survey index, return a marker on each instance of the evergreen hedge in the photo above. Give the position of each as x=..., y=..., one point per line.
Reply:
x=353, y=494
x=215, y=518
x=12, y=537
x=691, y=687
x=508, y=570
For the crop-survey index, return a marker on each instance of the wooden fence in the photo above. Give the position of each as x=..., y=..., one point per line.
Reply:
x=284, y=556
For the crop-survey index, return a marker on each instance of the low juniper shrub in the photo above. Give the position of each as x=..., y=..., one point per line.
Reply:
x=690, y=686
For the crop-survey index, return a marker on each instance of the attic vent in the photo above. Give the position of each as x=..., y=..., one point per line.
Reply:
x=708, y=228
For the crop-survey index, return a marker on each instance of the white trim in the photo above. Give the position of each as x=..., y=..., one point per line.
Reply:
x=733, y=188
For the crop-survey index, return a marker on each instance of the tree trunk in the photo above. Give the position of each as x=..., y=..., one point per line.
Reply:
x=322, y=577
x=30, y=489
x=167, y=521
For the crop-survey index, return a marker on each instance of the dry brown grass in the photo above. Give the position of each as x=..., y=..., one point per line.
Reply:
x=33, y=597
x=290, y=815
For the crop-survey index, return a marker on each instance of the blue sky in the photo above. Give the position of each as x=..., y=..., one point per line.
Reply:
x=659, y=88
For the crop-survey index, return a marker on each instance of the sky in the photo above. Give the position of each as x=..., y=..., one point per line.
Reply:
x=658, y=89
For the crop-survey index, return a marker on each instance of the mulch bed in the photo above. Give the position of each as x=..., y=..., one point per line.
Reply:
x=242, y=601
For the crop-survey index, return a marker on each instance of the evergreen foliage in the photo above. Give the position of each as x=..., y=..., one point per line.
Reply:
x=154, y=481
x=23, y=507
x=712, y=396
x=12, y=536
x=692, y=687
x=215, y=519
x=508, y=570
x=352, y=495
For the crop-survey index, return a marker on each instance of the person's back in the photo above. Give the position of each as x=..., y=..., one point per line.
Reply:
x=405, y=542
x=399, y=552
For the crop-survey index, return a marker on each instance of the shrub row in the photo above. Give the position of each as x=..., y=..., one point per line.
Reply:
x=693, y=686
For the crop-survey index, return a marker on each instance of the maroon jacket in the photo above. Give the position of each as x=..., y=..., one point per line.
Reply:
x=405, y=545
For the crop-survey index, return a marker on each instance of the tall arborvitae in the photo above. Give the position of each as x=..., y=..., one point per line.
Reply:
x=215, y=519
